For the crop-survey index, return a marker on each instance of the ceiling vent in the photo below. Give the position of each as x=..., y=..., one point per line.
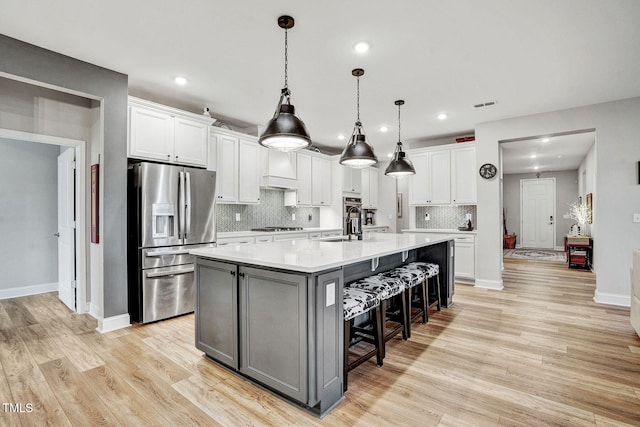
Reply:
x=486, y=104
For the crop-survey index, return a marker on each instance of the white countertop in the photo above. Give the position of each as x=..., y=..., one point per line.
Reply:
x=437, y=230
x=226, y=234
x=310, y=256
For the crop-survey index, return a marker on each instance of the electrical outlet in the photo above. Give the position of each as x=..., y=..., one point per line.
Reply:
x=310, y=217
x=293, y=217
x=636, y=217
x=468, y=217
x=238, y=216
x=427, y=217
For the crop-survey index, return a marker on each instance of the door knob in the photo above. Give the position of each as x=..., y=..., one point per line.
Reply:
x=56, y=234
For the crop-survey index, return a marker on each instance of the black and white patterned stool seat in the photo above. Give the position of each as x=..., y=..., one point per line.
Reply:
x=430, y=269
x=410, y=277
x=384, y=286
x=358, y=301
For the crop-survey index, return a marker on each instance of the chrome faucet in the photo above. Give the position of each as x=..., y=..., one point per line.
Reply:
x=348, y=220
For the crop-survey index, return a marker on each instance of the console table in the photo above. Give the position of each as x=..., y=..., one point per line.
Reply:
x=579, y=251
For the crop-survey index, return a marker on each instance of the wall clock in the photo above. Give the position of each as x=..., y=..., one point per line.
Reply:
x=488, y=170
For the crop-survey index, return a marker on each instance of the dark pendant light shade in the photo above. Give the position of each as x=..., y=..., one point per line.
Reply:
x=285, y=131
x=400, y=165
x=358, y=153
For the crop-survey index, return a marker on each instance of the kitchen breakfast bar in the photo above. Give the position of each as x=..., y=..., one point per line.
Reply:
x=272, y=312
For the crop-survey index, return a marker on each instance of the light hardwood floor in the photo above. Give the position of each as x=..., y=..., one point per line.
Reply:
x=538, y=353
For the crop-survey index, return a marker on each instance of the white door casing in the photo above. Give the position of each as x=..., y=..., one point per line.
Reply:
x=537, y=213
x=66, y=228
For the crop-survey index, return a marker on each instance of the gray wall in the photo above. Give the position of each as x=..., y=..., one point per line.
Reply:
x=271, y=212
x=566, y=193
x=22, y=59
x=28, y=213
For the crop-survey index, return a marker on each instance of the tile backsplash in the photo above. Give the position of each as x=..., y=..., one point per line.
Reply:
x=270, y=212
x=444, y=217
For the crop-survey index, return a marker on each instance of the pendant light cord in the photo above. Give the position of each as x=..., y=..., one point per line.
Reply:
x=286, y=60
x=399, y=124
x=358, y=97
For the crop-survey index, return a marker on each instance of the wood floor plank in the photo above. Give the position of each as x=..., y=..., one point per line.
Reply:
x=79, y=401
x=45, y=408
x=17, y=363
x=18, y=313
x=82, y=357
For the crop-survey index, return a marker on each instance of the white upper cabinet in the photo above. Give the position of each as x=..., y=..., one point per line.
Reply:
x=161, y=133
x=444, y=175
x=351, y=180
x=370, y=177
x=321, y=181
x=431, y=185
x=304, y=179
x=237, y=177
x=463, y=176
x=279, y=168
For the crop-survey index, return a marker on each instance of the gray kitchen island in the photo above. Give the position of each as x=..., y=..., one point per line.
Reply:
x=272, y=312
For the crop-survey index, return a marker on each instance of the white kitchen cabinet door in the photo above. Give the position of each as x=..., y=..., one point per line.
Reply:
x=305, y=180
x=351, y=180
x=190, y=142
x=463, y=176
x=465, y=260
x=150, y=134
x=370, y=188
x=227, y=174
x=419, y=190
x=431, y=185
x=248, y=173
x=321, y=181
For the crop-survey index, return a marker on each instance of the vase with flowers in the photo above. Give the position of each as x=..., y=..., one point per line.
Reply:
x=581, y=214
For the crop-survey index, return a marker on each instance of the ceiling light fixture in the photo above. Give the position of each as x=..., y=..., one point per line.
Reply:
x=533, y=156
x=442, y=116
x=384, y=129
x=341, y=137
x=545, y=139
x=285, y=131
x=357, y=153
x=180, y=81
x=399, y=166
x=361, y=47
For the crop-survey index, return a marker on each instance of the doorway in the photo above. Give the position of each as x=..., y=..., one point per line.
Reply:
x=72, y=252
x=538, y=207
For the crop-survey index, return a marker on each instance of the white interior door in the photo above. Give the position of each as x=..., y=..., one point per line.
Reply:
x=537, y=212
x=66, y=228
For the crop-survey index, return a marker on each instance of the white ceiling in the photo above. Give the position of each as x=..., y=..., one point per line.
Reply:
x=439, y=56
x=546, y=154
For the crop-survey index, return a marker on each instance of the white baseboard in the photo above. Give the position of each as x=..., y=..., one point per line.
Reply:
x=612, y=299
x=560, y=248
x=489, y=284
x=113, y=323
x=23, y=291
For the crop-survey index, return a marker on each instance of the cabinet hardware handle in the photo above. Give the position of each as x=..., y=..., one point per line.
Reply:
x=233, y=273
x=241, y=275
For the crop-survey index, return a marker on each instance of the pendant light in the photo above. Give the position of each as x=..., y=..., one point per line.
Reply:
x=285, y=131
x=399, y=166
x=357, y=153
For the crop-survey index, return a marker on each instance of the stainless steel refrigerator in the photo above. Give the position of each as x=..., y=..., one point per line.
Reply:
x=170, y=211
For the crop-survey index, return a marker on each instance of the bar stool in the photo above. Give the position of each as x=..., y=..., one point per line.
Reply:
x=431, y=271
x=387, y=288
x=412, y=278
x=354, y=303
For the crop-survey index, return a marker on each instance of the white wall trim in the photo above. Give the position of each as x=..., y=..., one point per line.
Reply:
x=23, y=291
x=612, y=299
x=95, y=310
x=113, y=323
x=489, y=284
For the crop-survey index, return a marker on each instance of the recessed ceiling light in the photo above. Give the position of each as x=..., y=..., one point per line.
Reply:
x=341, y=137
x=389, y=155
x=533, y=156
x=442, y=116
x=361, y=47
x=383, y=129
x=180, y=80
x=545, y=139
x=536, y=167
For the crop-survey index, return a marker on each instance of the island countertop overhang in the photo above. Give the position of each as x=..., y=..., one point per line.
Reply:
x=312, y=256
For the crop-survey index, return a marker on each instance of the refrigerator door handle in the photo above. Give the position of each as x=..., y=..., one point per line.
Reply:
x=180, y=205
x=187, y=207
x=171, y=273
x=168, y=252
